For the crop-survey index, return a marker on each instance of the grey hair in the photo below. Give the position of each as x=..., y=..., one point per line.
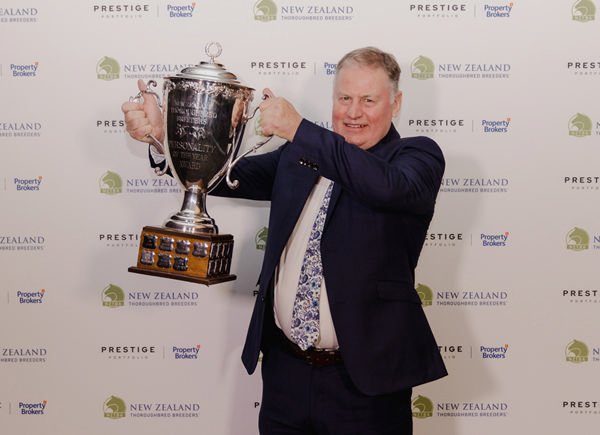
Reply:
x=374, y=58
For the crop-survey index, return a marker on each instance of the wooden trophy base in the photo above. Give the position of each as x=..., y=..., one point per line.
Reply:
x=201, y=258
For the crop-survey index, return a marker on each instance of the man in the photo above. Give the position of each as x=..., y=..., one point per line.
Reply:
x=345, y=363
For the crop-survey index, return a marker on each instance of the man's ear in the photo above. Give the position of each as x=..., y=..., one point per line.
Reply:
x=397, y=104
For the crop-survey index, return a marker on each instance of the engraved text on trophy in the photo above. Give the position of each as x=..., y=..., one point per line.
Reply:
x=198, y=139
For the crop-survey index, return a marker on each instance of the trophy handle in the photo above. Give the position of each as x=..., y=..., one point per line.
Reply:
x=155, y=142
x=264, y=97
x=235, y=183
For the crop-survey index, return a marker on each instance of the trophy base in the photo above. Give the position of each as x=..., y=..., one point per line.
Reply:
x=201, y=258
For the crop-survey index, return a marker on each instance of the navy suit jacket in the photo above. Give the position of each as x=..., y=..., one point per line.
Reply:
x=381, y=206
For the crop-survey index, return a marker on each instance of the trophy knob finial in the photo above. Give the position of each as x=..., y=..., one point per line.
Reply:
x=213, y=50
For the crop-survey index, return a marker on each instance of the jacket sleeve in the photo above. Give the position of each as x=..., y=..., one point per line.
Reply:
x=255, y=175
x=396, y=174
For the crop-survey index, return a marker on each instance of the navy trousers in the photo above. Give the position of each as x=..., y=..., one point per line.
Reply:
x=305, y=400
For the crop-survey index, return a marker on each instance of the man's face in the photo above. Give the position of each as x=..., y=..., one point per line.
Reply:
x=363, y=106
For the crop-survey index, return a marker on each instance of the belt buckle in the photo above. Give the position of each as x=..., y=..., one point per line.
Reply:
x=314, y=356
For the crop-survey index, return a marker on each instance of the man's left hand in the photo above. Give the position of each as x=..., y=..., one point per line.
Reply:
x=278, y=117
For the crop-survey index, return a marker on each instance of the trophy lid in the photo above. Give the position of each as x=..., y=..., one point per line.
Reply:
x=210, y=71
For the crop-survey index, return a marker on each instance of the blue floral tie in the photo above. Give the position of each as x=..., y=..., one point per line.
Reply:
x=305, y=317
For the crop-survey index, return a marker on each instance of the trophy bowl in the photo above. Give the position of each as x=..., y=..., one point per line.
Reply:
x=205, y=111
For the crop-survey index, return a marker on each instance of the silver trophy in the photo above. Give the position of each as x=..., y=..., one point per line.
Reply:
x=205, y=111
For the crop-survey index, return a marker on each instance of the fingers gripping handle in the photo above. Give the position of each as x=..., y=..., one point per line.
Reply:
x=139, y=98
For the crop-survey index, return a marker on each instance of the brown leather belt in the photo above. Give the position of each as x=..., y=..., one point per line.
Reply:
x=313, y=356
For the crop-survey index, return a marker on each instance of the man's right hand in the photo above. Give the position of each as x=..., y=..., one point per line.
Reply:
x=144, y=118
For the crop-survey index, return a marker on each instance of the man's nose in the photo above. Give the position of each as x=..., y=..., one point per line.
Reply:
x=354, y=109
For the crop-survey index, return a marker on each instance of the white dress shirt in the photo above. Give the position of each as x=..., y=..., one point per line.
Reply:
x=288, y=272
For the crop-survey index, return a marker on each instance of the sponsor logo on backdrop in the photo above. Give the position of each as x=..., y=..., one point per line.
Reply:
x=582, y=182
x=472, y=409
x=185, y=353
x=584, y=11
x=577, y=352
x=582, y=407
x=147, y=352
x=22, y=243
x=439, y=125
x=499, y=240
x=584, y=68
x=456, y=125
x=581, y=296
x=156, y=71
x=25, y=70
x=111, y=183
x=444, y=240
x=424, y=68
x=281, y=67
x=463, y=298
x=455, y=351
x=462, y=352
x=488, y=298
x=438, y=9
x=20, y=129
x=425, y=294
x=261, y=238
x=162, y=298
x=494, y=352
x=121, y=10
x=499, y=11
x=120, y=352
x=329, y=68
x=267, y=11
x=475, y=185
x=119, y=240
x=116, y=408
x=19, y=15
x=181, y=11
x=32, y=408
x=32, y=297
x=578, y=240
x=108, y=69
x=27, y=184
x=495, y=126
x=423, y=408
x=111, y=125
x=23, y=355
x=152, y=185
x=580, y=125
x=114, y=297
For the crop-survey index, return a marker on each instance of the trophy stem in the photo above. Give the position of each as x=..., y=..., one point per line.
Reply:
x=192, y=218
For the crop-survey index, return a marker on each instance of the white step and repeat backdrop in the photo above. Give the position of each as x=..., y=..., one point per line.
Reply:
x=508, y=277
